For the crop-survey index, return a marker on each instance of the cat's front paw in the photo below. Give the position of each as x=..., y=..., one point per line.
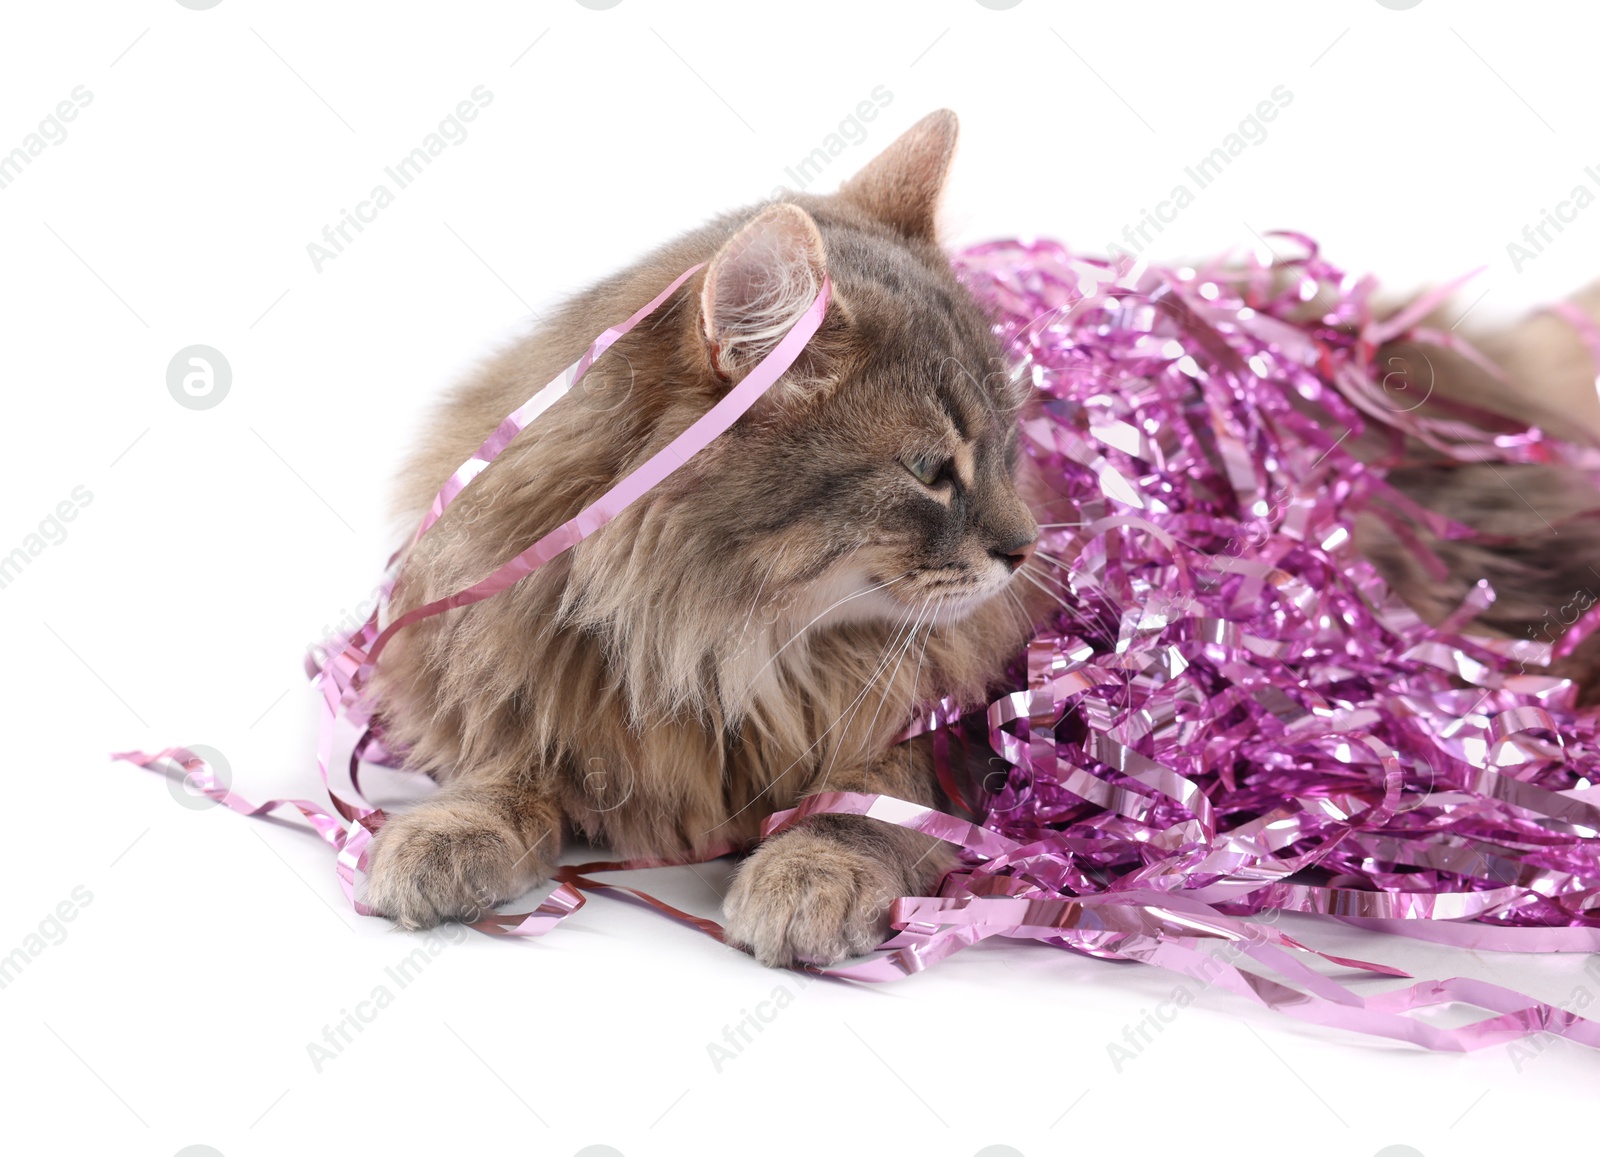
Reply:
x=448, y=860
x=811, y=897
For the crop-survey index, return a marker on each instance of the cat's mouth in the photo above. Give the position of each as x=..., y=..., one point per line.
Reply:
x=951, y=592
x=932, y=595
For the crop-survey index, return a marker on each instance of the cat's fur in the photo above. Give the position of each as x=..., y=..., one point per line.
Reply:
x=1539, y=542
x=757, y=628
x=761, y=626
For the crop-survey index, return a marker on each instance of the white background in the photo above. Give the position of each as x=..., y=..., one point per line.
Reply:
x=178, y=1009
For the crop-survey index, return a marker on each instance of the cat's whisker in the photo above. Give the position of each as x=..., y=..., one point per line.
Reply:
x=905, y=649
x=898, y=645
x=749, y=618
x=933, y=622
x=844, y=716
x=916, y=680
x=1080, y=618
x=1075, y=612
x=773, y=658
x=1048, y=572
x=1045, y=579
x=1051, y=578
x=1022, y=611
x=1057, y=568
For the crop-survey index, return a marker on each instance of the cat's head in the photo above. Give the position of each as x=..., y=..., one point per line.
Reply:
x=883, y=465
x=876, y=481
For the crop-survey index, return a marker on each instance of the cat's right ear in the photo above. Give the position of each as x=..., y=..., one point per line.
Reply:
x=901, y=185
x=758, y=285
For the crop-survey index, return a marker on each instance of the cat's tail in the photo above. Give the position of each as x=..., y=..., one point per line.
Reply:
x=1551, y=359
x=1539, y=525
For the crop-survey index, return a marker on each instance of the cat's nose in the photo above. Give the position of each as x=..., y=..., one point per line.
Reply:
x=1015, y=553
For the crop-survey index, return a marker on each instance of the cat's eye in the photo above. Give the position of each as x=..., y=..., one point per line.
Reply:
x=928, y=469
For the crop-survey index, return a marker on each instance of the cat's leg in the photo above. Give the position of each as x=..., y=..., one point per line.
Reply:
x=482, y=840
x=820, y=891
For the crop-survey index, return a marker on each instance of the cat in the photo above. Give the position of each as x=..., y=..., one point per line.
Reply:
x=762, y=626
x=758, y=628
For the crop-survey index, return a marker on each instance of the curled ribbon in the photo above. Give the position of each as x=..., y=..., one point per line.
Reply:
x=1231, y=717
x=343, y=668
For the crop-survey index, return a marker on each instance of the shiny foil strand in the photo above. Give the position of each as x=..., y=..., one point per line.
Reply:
x=1230, y=716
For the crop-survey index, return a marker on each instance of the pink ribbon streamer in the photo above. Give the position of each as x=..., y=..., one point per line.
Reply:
x=1230, y=699
x=346, y=664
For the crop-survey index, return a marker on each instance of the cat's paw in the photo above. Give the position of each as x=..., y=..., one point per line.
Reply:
x=811, y=897
x=448, y=860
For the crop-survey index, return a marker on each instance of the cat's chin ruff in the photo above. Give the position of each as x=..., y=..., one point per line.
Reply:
x=744, y=651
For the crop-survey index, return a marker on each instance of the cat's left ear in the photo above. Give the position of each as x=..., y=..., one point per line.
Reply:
x=758, y=285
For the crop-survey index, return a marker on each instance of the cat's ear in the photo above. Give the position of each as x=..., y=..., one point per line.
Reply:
x=758, y=285
x=901, y=185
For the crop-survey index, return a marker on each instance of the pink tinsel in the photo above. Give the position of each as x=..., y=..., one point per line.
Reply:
x=1230, y=715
